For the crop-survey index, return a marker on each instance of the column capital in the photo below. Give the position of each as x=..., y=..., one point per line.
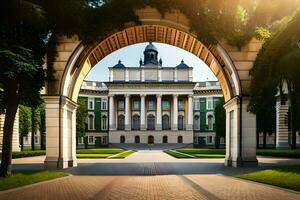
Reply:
x=110, y=95
x=143, y=95
x=175, y=95
x=127, y=95
x=158, y=95
x=190, y=95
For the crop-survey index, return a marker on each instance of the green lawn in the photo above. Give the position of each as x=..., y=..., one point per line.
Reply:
x=103, y=153
x=177, y=154
x=279, y=153
x=197, y=153
x=283, y=176
x=21, y=178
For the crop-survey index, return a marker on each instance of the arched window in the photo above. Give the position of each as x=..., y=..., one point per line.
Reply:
x=122, y=139
x=136, y=122
x=91, y=122
x=196, y=122
x=165, y=122
x=137, y=139
x=121, y=122
x=180, y=122
x=104, y=123
x=210, y=122
x=179, y=139
x=150, y=122
x=165, y=139
x=150, y=139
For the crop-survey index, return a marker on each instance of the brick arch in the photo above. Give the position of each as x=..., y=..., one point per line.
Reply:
x=91, y=55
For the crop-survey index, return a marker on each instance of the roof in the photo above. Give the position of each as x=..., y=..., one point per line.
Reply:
x=119, y=65
x=150, y=47
x=182, y=65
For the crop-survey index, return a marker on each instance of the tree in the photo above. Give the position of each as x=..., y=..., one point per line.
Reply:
x=24, y=123
x=220, y=122
x=81, y=115
x=278, y=62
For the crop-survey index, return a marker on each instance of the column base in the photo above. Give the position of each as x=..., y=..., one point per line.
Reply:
x=52, y=163
x=239, y=162
x=143, y=127
x=158, y=127
x=127, y=127
x=189, y=127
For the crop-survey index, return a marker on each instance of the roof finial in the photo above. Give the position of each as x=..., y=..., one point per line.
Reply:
x=120, y=62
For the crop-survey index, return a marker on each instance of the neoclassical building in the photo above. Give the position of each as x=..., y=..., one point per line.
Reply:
x=151, y=104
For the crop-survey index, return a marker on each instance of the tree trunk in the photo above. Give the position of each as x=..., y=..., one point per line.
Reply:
x=10, y=114
x=33, y=129
x=265, y=139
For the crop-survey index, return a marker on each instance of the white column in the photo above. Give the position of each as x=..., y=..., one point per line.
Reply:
x=282, y=129
x=175, y=75
x=143, y=112
x=175, y=113
x=60, y=132
x=158, y=126
x=127, y=113
x=126, y=74
x=240, y=134
x=112, y=122
x=190, y=113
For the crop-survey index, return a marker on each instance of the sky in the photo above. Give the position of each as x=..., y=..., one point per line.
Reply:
x=170, y=55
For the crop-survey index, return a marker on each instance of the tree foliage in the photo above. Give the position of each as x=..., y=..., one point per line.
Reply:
x=278, y=62
x=81, y=116
x=220, y=121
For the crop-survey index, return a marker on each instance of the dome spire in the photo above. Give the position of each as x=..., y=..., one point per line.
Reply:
x=150, y=54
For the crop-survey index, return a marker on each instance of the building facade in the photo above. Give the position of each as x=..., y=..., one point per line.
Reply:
x=151, y=104
x=94, y=94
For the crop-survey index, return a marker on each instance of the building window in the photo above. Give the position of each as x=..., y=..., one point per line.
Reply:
x=137, y=139
x=179, y=139
x=80, y=140
x=180, y=122
x=196, y=122
x=136, y=122
x=136, y=105
x=122, y=139
x=150, y=122
x=121, y=122
x=121, y=105
x=151, y=105
x=180, y=105
x=104, y=140
x=210, y=123
x=91, y=122
x=91, y=103
x=165, y=122
x=104, y=105
x=196, y=104
x=104, y=123
x=165, y=139
x=210, y=105
x=36, y=141
x=209, y=139
x=166, y=105
x=91, y=139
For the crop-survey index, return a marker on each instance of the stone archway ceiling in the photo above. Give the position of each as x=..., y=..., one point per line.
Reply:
x=161, y=34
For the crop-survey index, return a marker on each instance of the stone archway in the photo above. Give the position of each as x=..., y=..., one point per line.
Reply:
x=230, y=65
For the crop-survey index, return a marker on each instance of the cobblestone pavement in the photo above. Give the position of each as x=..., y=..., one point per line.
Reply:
x=150, y=175
x=149, y=187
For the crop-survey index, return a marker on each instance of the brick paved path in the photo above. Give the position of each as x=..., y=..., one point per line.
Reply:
x=150, y=187
x=154, y=175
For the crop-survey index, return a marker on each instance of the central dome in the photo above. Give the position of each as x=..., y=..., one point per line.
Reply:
x=150, y=47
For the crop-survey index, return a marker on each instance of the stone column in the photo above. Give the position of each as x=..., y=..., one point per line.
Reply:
x=60, y=132
x=112, y=122
x=240, y=134
x=190, y=114
x=282, y=129
x=158, y=126
x=175, y=113
x=143, y=112
x=127, y=113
